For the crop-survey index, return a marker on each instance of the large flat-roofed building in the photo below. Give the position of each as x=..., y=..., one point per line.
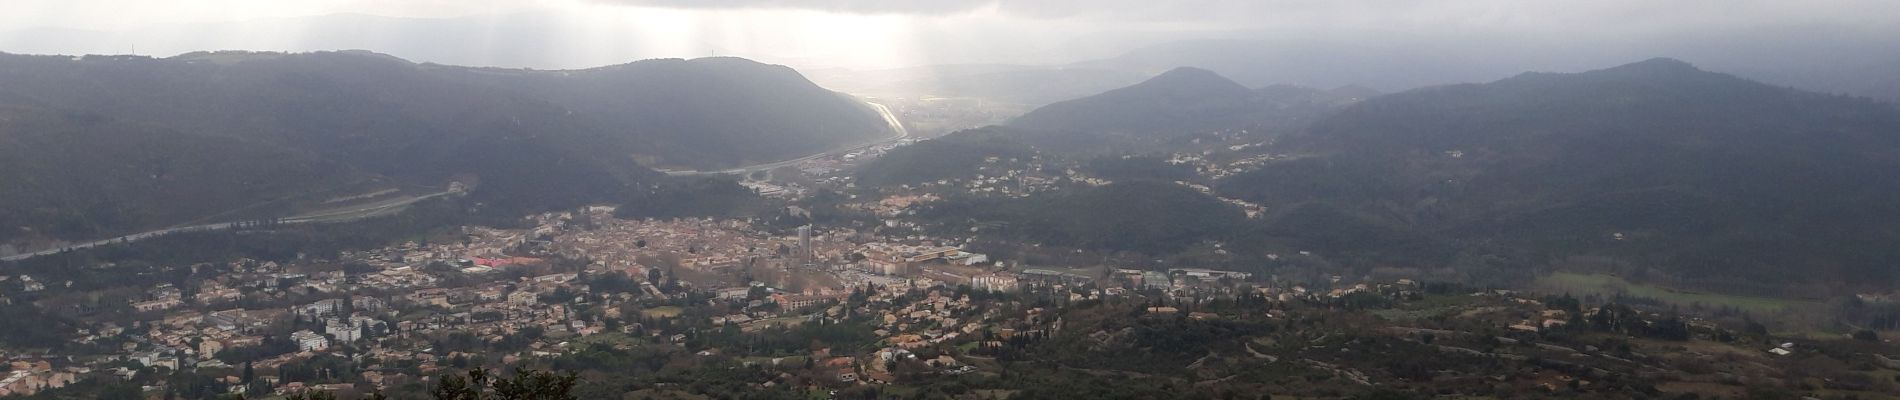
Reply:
x=1208, y=274
x=994, y=283
x=1154, y=279
x=310, y=341
x=1052, y=276
x=932, y=253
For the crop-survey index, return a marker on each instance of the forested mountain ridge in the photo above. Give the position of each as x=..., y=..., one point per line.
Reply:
x=1148, y=216
x=1702, y=175
x=702, y=112
x=75, y=175
x=713, y=111
x=530, y=139
x=1184, y=101
x=950, y=156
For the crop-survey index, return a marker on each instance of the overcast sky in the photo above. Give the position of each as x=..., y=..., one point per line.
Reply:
x=1553, y=34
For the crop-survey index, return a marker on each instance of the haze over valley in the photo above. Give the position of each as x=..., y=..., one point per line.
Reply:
x=984, y=199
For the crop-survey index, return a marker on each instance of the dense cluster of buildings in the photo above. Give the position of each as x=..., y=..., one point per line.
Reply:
x=29, y=377
x=391, y=307
x=491, y=283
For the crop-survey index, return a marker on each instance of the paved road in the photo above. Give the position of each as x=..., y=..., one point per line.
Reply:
x=897, y=127
x=385, y=207
x=362, y=211
x=333, y=215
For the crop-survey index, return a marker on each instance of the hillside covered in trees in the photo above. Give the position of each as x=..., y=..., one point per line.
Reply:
x=955, y=155
x=108, y=145
x=1703, y=176
x=1184, y=101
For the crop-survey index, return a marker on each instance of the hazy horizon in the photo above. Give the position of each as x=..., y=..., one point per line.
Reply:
x=568, y=34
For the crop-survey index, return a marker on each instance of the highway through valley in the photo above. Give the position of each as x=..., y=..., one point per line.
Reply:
x=344, y=214
x=897, y=128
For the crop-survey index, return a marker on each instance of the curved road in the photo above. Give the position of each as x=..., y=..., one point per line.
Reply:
x=333, y=215
x=897, y=127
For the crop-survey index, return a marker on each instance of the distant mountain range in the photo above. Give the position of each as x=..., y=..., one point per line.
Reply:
x=1396, y=63
x=98, y=145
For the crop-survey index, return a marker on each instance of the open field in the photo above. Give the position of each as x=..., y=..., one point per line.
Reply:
x=1579, y=284
x=1432, y=305
x=662, y=312
x=608, y=338
x=1739, y=349
x=788, y=322
x=1702, y=388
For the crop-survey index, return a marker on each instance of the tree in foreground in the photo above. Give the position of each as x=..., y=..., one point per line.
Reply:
x=527, y=384
x=312, y=395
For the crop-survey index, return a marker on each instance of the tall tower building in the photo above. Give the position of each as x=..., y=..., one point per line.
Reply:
x=804, y=245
